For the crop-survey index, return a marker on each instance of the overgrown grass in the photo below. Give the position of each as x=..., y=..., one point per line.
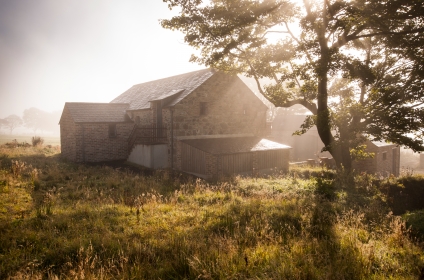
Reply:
x=73, y=221
x=48, y=140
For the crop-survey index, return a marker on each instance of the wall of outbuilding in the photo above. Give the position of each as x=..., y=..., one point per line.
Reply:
x=380, y=164
x=252, y=163
x=96, y=144
x=90, y=142
x=68, y=136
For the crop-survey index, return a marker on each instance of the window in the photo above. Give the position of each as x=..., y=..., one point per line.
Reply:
x=112, y=130
x=384, y=155
x=203, y=108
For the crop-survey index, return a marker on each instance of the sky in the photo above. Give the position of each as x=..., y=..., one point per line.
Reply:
x=57, y=51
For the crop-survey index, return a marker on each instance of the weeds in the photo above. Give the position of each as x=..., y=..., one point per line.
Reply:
x=17, y=167
x=99, y=222
x=37, y=141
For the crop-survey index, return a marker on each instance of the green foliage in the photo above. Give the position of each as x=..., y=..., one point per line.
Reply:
x=415, y=222
x=360, y=153
x=65, y=220
x=404, y=194
x=371, y=49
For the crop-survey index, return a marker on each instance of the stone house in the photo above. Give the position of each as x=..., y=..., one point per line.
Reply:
x=206, y=122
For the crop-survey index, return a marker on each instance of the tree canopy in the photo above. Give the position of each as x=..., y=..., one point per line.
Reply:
x=12, y=122
x=37, y=119
x=356, y=65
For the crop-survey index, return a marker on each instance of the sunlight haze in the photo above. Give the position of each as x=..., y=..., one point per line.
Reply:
x=52, y=52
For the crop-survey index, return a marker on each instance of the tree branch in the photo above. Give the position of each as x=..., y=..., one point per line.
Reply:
x=312, y=107
x=387, y=33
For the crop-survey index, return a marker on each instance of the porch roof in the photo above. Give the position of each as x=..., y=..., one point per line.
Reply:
x=233, y=145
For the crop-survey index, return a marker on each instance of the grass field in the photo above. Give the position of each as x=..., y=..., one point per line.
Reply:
x=48, y=140
x=61, y=220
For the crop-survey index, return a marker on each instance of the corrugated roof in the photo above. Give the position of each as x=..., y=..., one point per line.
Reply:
x=139, y=96
x=220, y=146
x=82, y=112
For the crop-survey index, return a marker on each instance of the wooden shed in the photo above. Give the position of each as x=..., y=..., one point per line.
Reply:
x=214, y=157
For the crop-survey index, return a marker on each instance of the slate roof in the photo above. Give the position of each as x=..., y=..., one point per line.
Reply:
x=177, y=87
x=82, y=112
x=220, y=146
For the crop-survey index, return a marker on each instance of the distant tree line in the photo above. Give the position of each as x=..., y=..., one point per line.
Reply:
x=34, y=119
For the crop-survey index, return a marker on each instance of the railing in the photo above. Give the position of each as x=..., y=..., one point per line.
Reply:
x=147, y=135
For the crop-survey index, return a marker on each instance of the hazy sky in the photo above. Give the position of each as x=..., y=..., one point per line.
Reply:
x=54, y=51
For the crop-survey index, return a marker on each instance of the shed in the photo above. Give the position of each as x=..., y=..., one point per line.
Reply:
x=213, y=157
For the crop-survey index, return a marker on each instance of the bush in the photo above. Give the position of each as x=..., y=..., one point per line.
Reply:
x=415, y=221
x=404, y=193
x=37, y=141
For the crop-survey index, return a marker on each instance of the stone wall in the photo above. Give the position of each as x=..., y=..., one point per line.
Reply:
x=93, y=143
x=68, y=136
x=382, y=162
x=386, y=157
x=146, y=116
x=229, y=107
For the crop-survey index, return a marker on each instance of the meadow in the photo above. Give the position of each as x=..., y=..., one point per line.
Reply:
x=48, y=140
x=61, y=220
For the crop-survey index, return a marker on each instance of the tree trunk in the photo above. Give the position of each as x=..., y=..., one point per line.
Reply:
x=340, y=153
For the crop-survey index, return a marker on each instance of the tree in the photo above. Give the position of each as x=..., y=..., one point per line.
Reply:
x=34, y=118
x=12, y=122
x=356, y=65
x=3, y=123
x=37, y=119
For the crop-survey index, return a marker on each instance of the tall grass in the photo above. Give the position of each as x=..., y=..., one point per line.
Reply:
x=74, y=221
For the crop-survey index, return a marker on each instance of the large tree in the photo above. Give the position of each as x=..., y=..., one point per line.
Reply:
x=356, y=65
x=12, y=122
x=37, y=119
x=34, y=118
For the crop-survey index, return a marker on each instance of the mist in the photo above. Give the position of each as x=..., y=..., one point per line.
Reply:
x=52, y=52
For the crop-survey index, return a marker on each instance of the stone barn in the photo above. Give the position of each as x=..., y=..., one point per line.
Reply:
x=206, y=122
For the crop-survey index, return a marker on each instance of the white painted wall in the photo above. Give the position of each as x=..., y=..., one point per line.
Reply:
x=152, y=156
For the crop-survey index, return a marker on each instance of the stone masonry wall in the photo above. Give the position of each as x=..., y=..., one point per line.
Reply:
x=230, y=108
x=380, y=164
x=94, y=144
x=68, y=136
x=146, y=116
x=385, y=166
x=368, y=165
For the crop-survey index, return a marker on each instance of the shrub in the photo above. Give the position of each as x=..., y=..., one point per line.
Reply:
x=404, y=193
x=37, y=141
x=415, y=221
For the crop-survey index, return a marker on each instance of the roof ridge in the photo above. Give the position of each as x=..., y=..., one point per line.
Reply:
x=99, y=103
x=175, y=76
x=139, y=95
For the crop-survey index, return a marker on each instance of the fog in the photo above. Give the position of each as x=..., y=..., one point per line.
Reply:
x=53, y=51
